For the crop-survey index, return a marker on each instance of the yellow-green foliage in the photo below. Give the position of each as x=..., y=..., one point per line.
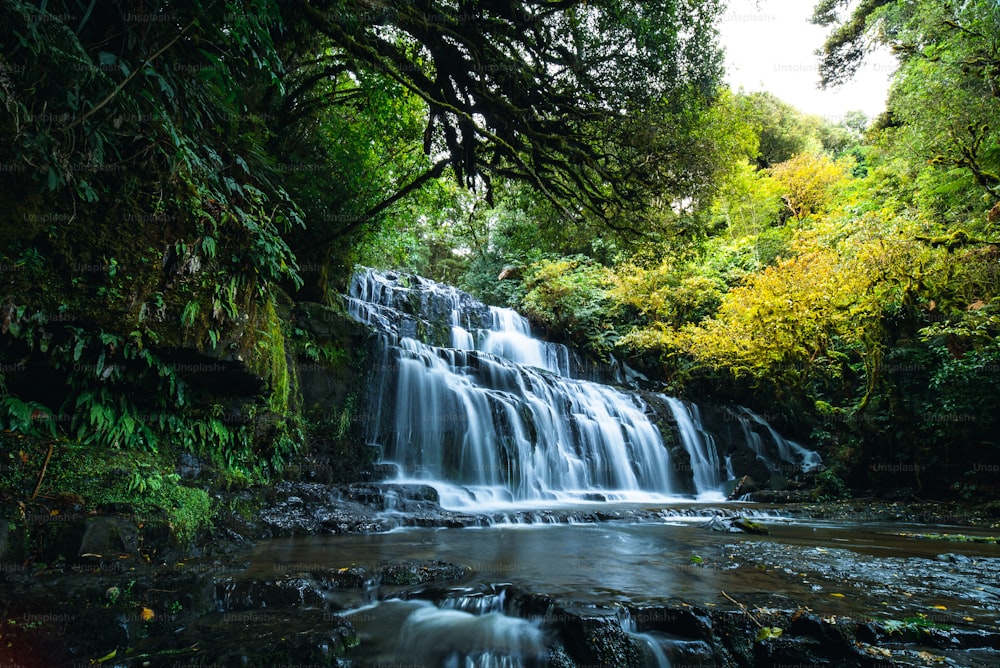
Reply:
x=786, y=318
x=667, y=294
x=749, y=200
x=266, y=356
x=810, y=182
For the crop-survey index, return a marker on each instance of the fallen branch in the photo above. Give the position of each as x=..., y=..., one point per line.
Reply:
x=41, y=476
x=744, y=609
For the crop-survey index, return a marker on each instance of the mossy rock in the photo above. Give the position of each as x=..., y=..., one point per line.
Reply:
x=750, y=526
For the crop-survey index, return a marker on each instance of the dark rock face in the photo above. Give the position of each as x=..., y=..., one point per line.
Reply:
x=413, y=573
x=730, y=433
x=332, y=382
x=110, y=536
x=692, y=623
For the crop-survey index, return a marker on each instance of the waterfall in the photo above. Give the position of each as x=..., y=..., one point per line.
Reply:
x=466, y=399
x=650, y=645
x=706, y=469
x=784, y=455
x=432, y=636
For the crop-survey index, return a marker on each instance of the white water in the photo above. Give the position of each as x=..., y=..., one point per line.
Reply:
x=700, y=446
x=432, y=636
x=791, y=455
x=467, y=400
x=655, y=655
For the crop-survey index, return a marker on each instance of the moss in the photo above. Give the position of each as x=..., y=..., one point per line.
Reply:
x=190, y=512
x=266, y=355
x=87, y=478
x=750, y=526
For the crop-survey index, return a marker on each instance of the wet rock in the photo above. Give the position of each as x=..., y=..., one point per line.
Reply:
x=559, y=658
x=348, y=519
x=349, y=577
x=722, y=524
x=109, y=537
x=679, y=621
x=954, y=558
x=190, y=467
x=977, y=639
x=261, y=638
x=301, y=507
x=420, y=572
x=693, y=654
x=232, y=594
x=785, y=651
x=594, y=636
x=836, y=638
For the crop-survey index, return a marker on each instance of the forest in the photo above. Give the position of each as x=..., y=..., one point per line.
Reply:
x=493, y=333
x=178, y=176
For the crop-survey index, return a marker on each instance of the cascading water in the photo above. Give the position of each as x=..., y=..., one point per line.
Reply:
x=467, y=400
x=784, y=454
x=432, y=636
x=706, y=468
x=651, y=647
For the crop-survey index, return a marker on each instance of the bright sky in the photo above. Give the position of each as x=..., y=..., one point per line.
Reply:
x=770, y=46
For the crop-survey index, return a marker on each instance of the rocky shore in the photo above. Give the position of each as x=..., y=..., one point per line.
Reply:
x=101, y=590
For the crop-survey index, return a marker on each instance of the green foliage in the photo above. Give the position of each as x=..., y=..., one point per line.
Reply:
x=121, y=395
x=26, y=417
x=830, y=487
x=919, y=625
x=769, y=632
x=947, y=54
x=141, y=481
x=783, y=131
x=190, y=512
x=570, y=296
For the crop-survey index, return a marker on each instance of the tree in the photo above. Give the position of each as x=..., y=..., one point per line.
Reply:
x=550, y=93
x=948, y=53
x=782, y=129
x=844, y=50
x=809, y=182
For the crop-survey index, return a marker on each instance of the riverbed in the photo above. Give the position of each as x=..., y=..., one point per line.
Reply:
x=867, y=572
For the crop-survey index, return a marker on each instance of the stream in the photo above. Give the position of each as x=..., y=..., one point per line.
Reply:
x=858, y=572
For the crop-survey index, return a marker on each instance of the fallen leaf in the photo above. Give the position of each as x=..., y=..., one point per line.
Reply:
x=837, y=595
x=107, y=657
x=146, y=614
x=931, y=658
